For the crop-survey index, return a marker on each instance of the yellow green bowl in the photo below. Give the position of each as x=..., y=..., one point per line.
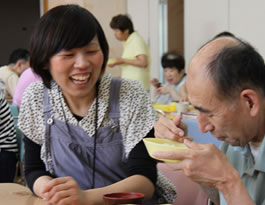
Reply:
x=163, y=145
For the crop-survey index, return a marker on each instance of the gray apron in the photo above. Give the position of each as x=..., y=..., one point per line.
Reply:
x=72, y=154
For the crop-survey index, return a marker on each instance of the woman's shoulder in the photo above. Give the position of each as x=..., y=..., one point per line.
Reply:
x=33, y=94
x=35, y=89
x=129, y=88
x=134, y=95
x=31, y=116
x=132, y=87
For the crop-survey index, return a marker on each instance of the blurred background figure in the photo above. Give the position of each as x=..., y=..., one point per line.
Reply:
x=174, y=72
x=27, y=77
x=8, y=141
x=135, y=59
x=18, y=62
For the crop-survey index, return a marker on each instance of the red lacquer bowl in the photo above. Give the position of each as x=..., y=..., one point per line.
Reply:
x=123, y=198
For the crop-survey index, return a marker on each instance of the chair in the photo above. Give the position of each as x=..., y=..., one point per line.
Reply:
x=20, y=135
x=188, y=192
x=198, y=136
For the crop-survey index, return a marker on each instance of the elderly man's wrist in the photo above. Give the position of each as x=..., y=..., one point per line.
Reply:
x=231, y=185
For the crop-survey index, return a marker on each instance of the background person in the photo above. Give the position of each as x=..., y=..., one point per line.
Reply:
x=83, y=130
x=225, y=83
x=135, y=59
x=18, y=62
x=174, y=72
x=25, y=79
x=8, y=142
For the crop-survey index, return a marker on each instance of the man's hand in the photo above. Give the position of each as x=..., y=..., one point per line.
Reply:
x=170, y=129
x=203, y=163
x=207, y=165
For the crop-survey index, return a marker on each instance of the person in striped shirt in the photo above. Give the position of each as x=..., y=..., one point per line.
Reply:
x=8, y=142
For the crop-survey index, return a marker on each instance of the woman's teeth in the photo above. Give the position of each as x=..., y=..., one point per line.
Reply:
x=80, y=79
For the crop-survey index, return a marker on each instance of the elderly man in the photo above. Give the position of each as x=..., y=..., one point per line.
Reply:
x=226, y=85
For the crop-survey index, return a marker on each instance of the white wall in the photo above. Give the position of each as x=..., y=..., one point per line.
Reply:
x=145, y=17
x=205, y=18
x=247, y=19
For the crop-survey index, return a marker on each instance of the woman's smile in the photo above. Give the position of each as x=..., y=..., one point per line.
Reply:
x=80, y=78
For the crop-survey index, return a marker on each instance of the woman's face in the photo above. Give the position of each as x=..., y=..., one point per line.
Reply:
x=76, y=71
x=172, y=75
x=121, y=35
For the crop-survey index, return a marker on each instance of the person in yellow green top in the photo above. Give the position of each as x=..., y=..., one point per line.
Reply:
x=135, y=59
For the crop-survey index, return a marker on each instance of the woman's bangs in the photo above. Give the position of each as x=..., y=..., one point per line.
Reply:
x=76, y=35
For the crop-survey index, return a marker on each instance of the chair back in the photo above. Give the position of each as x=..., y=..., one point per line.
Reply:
x=188, y=192
x=20, y=135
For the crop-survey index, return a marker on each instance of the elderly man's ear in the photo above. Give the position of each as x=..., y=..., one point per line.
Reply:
x=251, y=100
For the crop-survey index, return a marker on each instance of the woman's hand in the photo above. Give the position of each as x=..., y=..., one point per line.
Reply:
x=165, y=89
x=63, y=191
x=117, y=61
x=155, y=82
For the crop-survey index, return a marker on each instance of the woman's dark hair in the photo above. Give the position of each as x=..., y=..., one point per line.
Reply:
x=173, y=60
x=236, y=68
x=63, y=27
x=122, y=22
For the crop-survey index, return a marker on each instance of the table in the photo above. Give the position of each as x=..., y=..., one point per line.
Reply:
x=12, y=194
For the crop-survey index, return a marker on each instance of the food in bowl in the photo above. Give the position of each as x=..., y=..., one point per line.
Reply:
x=163, y=145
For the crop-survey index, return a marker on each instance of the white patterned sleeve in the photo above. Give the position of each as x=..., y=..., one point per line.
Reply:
x=31, y=116
x=137, y=113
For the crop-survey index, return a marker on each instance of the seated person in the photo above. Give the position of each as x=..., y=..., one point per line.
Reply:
x=84, y=130
x=18, y=62
x=8, y=142
x=174, y=72
x=27, y=77
x=233, y=111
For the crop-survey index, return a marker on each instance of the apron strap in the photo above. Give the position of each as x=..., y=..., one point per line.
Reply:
x=114, y=99
x=47, y=109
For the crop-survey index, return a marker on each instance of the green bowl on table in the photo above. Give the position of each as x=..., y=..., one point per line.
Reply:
x=163, y=145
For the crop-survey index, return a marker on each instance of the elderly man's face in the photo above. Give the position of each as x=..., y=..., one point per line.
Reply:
x=227, y=121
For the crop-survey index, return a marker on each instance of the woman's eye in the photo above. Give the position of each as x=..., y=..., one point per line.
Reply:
x=91, y=52
x=68, y=55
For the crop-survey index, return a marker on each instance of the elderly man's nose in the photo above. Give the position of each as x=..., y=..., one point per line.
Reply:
x=204, y=123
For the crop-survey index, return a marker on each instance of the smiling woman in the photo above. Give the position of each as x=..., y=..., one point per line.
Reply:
x=84, y=130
